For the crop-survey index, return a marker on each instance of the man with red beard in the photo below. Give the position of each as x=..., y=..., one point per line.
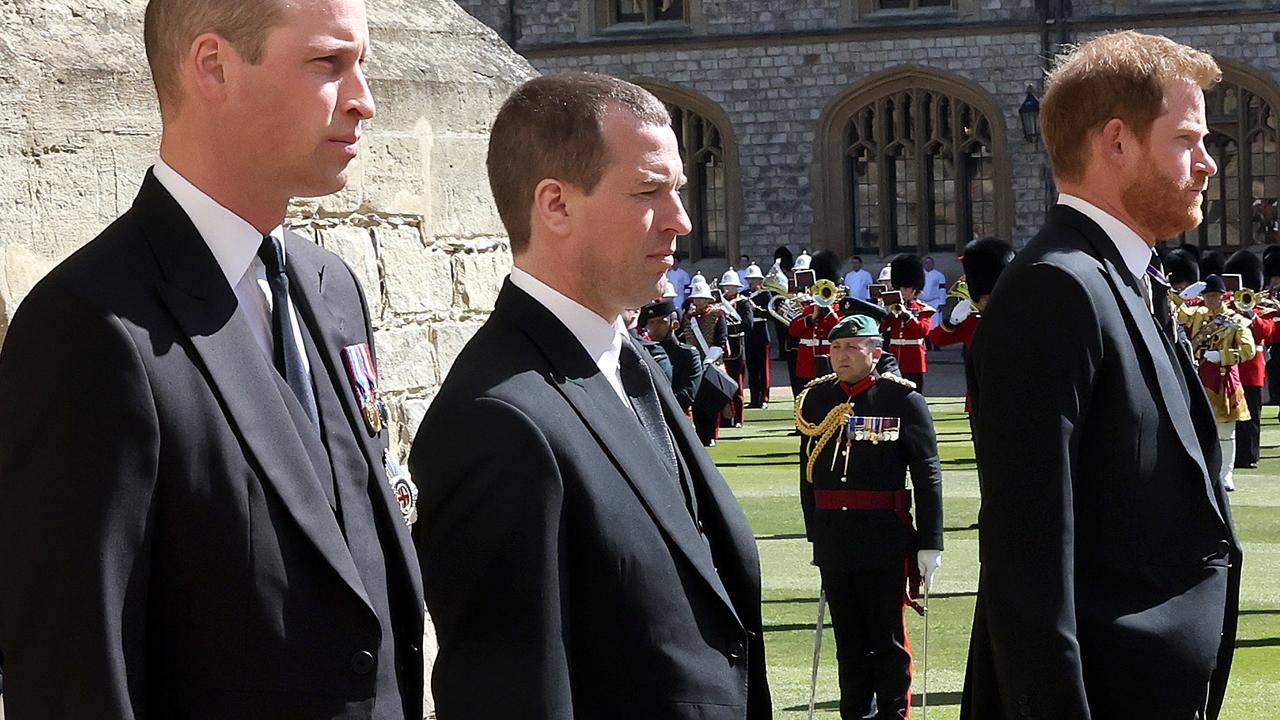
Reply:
x=1109, y=584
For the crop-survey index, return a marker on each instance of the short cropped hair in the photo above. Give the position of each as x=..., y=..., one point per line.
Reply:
x=1119, y=75
x=552, y=127
x=170, y=26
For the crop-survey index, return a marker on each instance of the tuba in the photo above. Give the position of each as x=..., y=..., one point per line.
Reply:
x=785, y=308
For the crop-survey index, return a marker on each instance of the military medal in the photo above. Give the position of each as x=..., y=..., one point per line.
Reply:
x=364, y=381
x=402, y=487
x=873, y=429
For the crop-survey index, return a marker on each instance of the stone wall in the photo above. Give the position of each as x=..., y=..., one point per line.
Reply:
x=775, y=88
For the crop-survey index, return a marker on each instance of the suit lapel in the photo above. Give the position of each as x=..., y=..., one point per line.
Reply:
x=206, y=309
x=307, y=280
x=614, y=426
x=1143, y=327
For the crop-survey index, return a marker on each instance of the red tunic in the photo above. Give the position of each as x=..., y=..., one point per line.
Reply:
x=906, y=337
x=1253, y=371
x=945, y=334
x=813, y=340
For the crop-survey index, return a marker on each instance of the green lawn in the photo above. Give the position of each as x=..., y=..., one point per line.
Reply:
x=760, y=463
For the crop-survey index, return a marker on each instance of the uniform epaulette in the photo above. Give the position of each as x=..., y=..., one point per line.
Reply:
x=925, y=307
x=910, y=385
x=819, y=381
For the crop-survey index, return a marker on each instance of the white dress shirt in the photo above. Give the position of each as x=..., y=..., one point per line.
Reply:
x=1134, y=251
x=600, y=338
x=679, y=279
x=234, y=244
x=859, y=283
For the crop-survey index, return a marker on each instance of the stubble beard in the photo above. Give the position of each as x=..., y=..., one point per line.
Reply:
x=1162, y=205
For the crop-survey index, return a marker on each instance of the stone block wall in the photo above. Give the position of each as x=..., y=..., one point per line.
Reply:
x=775, y=94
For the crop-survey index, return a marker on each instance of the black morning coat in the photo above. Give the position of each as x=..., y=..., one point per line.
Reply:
x=568, y=579
x=167, y=547
x=1110, y=567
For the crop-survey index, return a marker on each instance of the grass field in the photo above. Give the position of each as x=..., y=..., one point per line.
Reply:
x=760, y=463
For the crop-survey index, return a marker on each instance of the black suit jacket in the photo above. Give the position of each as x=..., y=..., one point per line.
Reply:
x=1104, y=590
x=165, y=545
x=565, y=576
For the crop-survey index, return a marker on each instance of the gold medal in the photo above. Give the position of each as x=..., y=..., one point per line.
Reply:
x=372, y=417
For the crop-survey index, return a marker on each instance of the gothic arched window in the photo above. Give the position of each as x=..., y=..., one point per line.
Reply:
x=1240, y=204
x=908, y=164
x=713, y=193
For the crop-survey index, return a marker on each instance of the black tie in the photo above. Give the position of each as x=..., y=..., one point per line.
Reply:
x=287, y=355
x=638, y=384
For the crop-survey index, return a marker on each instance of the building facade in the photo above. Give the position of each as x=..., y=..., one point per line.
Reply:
x=886, y=126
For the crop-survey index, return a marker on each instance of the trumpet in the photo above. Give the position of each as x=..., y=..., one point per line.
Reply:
x=826, y=293
x=1247, y=299
x=959, y=290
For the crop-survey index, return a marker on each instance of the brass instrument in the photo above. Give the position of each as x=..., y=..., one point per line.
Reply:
x=960, y=290
x=784, y=308
x=1247, y=299
x=826, y=293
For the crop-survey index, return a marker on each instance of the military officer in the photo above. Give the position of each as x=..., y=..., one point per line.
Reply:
x=757, y=353
x=862, y=433
x=909, y=322
x=739, y=313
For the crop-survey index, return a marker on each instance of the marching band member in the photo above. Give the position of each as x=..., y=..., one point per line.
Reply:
x=757, y=352
x=706, y=328
x=739, y=315
x=1220, y=341
x=1253, y=372
x=910, y=321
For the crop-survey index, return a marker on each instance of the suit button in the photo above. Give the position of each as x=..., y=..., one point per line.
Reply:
x=737, y=651
x=1224, y=548
x=362, y=663
x=844, y=508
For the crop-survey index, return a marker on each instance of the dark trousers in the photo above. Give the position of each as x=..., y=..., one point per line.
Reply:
x=736, y=369
x=871, y=640
x=918, y=379
x=758, y=367
x=797, y=383
x=706, y=425
x=1249, y=432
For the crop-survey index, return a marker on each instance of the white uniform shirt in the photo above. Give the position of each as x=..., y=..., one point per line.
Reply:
x=859, y=283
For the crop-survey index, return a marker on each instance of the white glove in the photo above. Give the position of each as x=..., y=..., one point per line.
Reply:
x=1213, y=356
x=929, y=562
x=1192, y=291
x=961, y=311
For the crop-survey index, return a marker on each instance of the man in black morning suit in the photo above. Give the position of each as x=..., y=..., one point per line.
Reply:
x=194, y=516
x=1110, y=567
x=584, y=558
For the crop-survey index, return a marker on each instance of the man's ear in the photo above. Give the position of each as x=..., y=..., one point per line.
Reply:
x=551, y=199
x=209, y=65
x=1115, y=142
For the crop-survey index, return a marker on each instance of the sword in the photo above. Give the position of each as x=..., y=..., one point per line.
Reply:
x=924, y=665
x=817, y=650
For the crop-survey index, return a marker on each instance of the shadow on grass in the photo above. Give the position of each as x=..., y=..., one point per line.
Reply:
x=1258, y=642
x=814, y=601
x=1261, y=611
x=781, y=536
x=936, y=699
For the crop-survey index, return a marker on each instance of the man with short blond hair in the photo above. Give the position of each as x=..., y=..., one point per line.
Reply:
x=1110, y=569
x=199, y=521
x=587, y=560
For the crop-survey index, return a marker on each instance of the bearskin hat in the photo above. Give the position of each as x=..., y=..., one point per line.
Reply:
x=1180, y=267
x=983, y=261
x=906, y=271
x=1211, y=263
x=1271, y=261
x=826, y=266
x=1248, y=266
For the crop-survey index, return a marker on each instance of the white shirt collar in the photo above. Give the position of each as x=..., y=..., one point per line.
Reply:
x=233, y=241
x=600, y=338
x=1135, y=251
